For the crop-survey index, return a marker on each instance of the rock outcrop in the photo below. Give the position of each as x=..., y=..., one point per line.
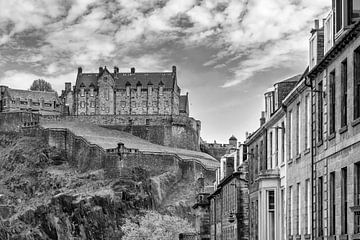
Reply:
x=43, y=196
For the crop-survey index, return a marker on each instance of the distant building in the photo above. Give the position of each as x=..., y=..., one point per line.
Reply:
x=202, y=216
x=218, y=150
x=229, y=201
x=267, y=166
x=45, y=103
x=131, y=93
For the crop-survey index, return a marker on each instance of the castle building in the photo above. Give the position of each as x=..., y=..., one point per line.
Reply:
x=131, y=93
x=44, y=103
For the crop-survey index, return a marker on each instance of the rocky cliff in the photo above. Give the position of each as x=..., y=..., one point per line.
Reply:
x=44, y=196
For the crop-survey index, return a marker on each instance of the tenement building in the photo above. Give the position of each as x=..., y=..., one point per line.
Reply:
x=296, y=195
x=335, y=81
x=267, y=166
x=45, y=103
x=229, y=201
x=130, y=93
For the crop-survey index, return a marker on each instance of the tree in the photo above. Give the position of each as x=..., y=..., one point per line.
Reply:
x=41, y=85
x=155, y=226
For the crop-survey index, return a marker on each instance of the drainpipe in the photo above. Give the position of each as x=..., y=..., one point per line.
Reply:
x=313, y=199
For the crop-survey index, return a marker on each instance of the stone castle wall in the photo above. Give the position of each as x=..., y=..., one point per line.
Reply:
x=173, y=131
x=148, y=100
x=14, y=121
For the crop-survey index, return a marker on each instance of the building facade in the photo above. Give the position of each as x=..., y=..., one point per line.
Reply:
x=296, y=195
x=45, y=103
x=132, y=93
x=267, y=166
x=335, y=81
x=229, y=201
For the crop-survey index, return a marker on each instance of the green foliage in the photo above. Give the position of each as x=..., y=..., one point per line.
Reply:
x=41, y=85
x=155, y=226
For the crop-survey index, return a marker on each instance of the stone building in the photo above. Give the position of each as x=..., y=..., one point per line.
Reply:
x=267, y=166
x=296, y=195
x=229, y=201
x=45, y=103
x=218, y=150
x=202, y=216
x=131, y=93
x=335, y=81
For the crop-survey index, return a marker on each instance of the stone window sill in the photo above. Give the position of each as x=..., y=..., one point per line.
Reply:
x=343, y=129
x=355, y=122
x=343, y=237
x=307, y=236
x=298, y=156
x=331, y=136
x=356, y=236
x=298, y=237
x=290, y=161
x=307, y=151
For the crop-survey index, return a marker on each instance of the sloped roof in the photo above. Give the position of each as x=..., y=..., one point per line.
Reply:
x=232, y=138
x=295, y=78
x=154, y=78
x=183, y=103
x=34, y=95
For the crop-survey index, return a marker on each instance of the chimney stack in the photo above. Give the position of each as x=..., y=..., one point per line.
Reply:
x=174, y=69
x=68, y=87
x=100, y=70
x=79, y=70
x=116, y=69
x=262, y=119
x=316, y=24
x=132, y=70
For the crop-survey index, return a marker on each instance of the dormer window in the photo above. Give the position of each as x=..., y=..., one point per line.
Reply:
x=312, y=51
x=91, y=92
x=338, y=15
x=347, y=12
x=328, y=32
x=82, y=92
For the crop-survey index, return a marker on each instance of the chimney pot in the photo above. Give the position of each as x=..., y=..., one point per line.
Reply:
x=132, y=70
x=79, y=70
x=262, y=119
x=316, y=24
x=68, y=87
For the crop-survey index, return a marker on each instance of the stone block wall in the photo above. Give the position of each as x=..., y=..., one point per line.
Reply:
x=167, y=130
x=14, y=121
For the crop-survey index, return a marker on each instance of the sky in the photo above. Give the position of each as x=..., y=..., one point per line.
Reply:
x=227, y=52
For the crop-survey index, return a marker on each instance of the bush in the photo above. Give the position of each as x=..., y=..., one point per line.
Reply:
x=155, y=226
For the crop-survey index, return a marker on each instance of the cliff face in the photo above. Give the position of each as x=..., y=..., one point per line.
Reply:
x=42, y=196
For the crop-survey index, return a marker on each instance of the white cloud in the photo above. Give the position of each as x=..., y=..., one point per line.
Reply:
x=252, y=35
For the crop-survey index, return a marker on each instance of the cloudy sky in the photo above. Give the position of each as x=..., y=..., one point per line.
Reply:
x=227, y=52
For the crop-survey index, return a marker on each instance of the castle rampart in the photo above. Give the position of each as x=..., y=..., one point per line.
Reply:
x=167, y=130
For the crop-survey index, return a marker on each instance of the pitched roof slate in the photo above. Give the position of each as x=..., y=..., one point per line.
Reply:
x=121, y=79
